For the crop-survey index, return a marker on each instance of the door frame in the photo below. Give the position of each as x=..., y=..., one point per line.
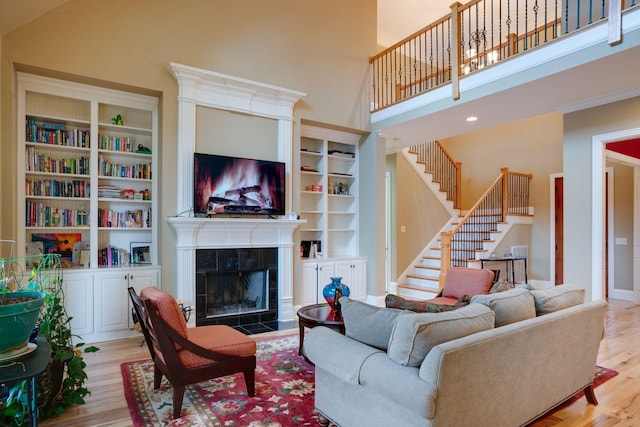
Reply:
x=598, y=167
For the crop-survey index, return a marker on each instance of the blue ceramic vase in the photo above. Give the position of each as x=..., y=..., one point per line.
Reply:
x=329, y=291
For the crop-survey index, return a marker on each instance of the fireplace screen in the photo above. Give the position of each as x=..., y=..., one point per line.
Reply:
x=233, y=283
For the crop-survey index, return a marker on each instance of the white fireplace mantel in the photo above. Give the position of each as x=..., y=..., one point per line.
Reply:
x=207, y=88
x=217, y=233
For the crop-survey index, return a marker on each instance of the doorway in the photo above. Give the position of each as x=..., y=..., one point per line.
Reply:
x=558, y=222
x=598, y=216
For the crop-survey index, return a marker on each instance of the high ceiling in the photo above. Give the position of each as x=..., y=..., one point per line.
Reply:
x=397, y=19
x=18, y=12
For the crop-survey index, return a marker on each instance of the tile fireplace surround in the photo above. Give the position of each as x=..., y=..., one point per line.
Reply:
x=227, y=233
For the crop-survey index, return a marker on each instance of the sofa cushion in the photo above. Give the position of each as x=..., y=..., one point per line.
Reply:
x=467, y=281
x=557, y=298
x=509, y=306
x=415, y=334
x=428, y=306
x=368, y=324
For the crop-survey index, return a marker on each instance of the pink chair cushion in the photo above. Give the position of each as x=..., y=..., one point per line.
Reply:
x=467, y=281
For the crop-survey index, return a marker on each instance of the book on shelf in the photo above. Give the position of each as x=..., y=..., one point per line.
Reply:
x=56, y=134
x=111, y=256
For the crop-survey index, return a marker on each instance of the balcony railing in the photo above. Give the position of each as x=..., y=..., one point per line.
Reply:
x=474, y=36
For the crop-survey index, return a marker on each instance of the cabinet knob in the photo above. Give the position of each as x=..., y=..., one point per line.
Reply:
x=126, y=277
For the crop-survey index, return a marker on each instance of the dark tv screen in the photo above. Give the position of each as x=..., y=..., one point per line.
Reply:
x=233, y=185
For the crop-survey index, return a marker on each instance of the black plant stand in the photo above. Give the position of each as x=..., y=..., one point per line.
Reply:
x=28, y=367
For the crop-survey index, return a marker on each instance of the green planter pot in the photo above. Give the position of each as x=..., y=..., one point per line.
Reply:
x=17, y=321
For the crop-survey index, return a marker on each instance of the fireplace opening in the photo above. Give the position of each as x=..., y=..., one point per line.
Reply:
x=237, y=287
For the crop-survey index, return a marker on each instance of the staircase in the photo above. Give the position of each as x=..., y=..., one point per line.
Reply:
x=468, y=236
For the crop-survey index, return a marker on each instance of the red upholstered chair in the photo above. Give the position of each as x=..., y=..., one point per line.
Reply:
x=191, y=355
x=464, y=281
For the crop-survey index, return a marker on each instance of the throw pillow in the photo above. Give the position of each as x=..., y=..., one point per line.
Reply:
x=395, y=301
x=500, y=286
x=415, y=334
x=467, y=281
x=557, y=298
x=368, y=324
x=509, y=306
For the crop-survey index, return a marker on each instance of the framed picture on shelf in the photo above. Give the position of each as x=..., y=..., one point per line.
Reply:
x=78, y=247
x=58, y=243
x=140, y=253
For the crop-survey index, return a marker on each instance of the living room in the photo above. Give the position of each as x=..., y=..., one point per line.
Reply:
x=321, y=50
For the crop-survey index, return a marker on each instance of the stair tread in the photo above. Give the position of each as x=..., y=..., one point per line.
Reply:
x=426, y=267
x=431, y=279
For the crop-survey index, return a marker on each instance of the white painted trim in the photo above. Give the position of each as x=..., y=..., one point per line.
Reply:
x=598, y=156
x=387, y=231
x=597, y=218
x=611, y=291
x=636, y=235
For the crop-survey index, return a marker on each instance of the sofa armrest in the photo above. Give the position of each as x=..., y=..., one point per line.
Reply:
x=337, y=354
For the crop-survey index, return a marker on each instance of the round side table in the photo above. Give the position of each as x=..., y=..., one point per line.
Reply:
x=317, y=315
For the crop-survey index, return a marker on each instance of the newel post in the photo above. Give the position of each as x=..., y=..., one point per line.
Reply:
x=456, y=49
x=445, y=256
x=458, y=201
x=505, y=192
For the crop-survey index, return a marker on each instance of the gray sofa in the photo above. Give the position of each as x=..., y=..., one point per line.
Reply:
x=398, y=368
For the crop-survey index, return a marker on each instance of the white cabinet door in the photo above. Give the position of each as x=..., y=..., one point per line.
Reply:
x=354, y=275
x=359, y=280
x=309, y=283
x=111, y=301
x=78, y=301
x=138, y=280
x=326, y=270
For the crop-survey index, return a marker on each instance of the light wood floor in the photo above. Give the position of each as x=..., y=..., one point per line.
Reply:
x=619, y=397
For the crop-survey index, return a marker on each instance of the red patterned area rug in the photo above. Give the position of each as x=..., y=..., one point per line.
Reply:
x=284, y=393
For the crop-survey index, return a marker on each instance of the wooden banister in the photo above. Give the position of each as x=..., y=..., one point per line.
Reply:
x=511, y=201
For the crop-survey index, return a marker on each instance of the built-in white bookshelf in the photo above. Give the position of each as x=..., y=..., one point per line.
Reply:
x=87, y=168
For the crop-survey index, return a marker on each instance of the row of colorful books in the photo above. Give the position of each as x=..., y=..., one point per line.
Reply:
x=116, y=143
x=112, y=256
x=57, y=188
x=56, y=134
x=35, y=162
x=123, y=170
x=39, y=214
x=135, y=218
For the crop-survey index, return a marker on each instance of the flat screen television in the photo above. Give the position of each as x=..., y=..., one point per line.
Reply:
x=237, y=186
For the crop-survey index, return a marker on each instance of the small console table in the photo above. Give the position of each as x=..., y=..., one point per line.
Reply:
x=27, y=367
x=508, y=261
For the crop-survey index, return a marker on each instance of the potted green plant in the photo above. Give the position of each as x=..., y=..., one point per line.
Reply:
x=62, y=384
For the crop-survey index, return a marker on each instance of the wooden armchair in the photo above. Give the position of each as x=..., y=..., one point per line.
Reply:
x=190, y=355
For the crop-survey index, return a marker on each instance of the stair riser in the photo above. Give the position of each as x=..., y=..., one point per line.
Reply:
x=430, y=262
x=417, y=294
x=422, y=283
x=427, y=273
